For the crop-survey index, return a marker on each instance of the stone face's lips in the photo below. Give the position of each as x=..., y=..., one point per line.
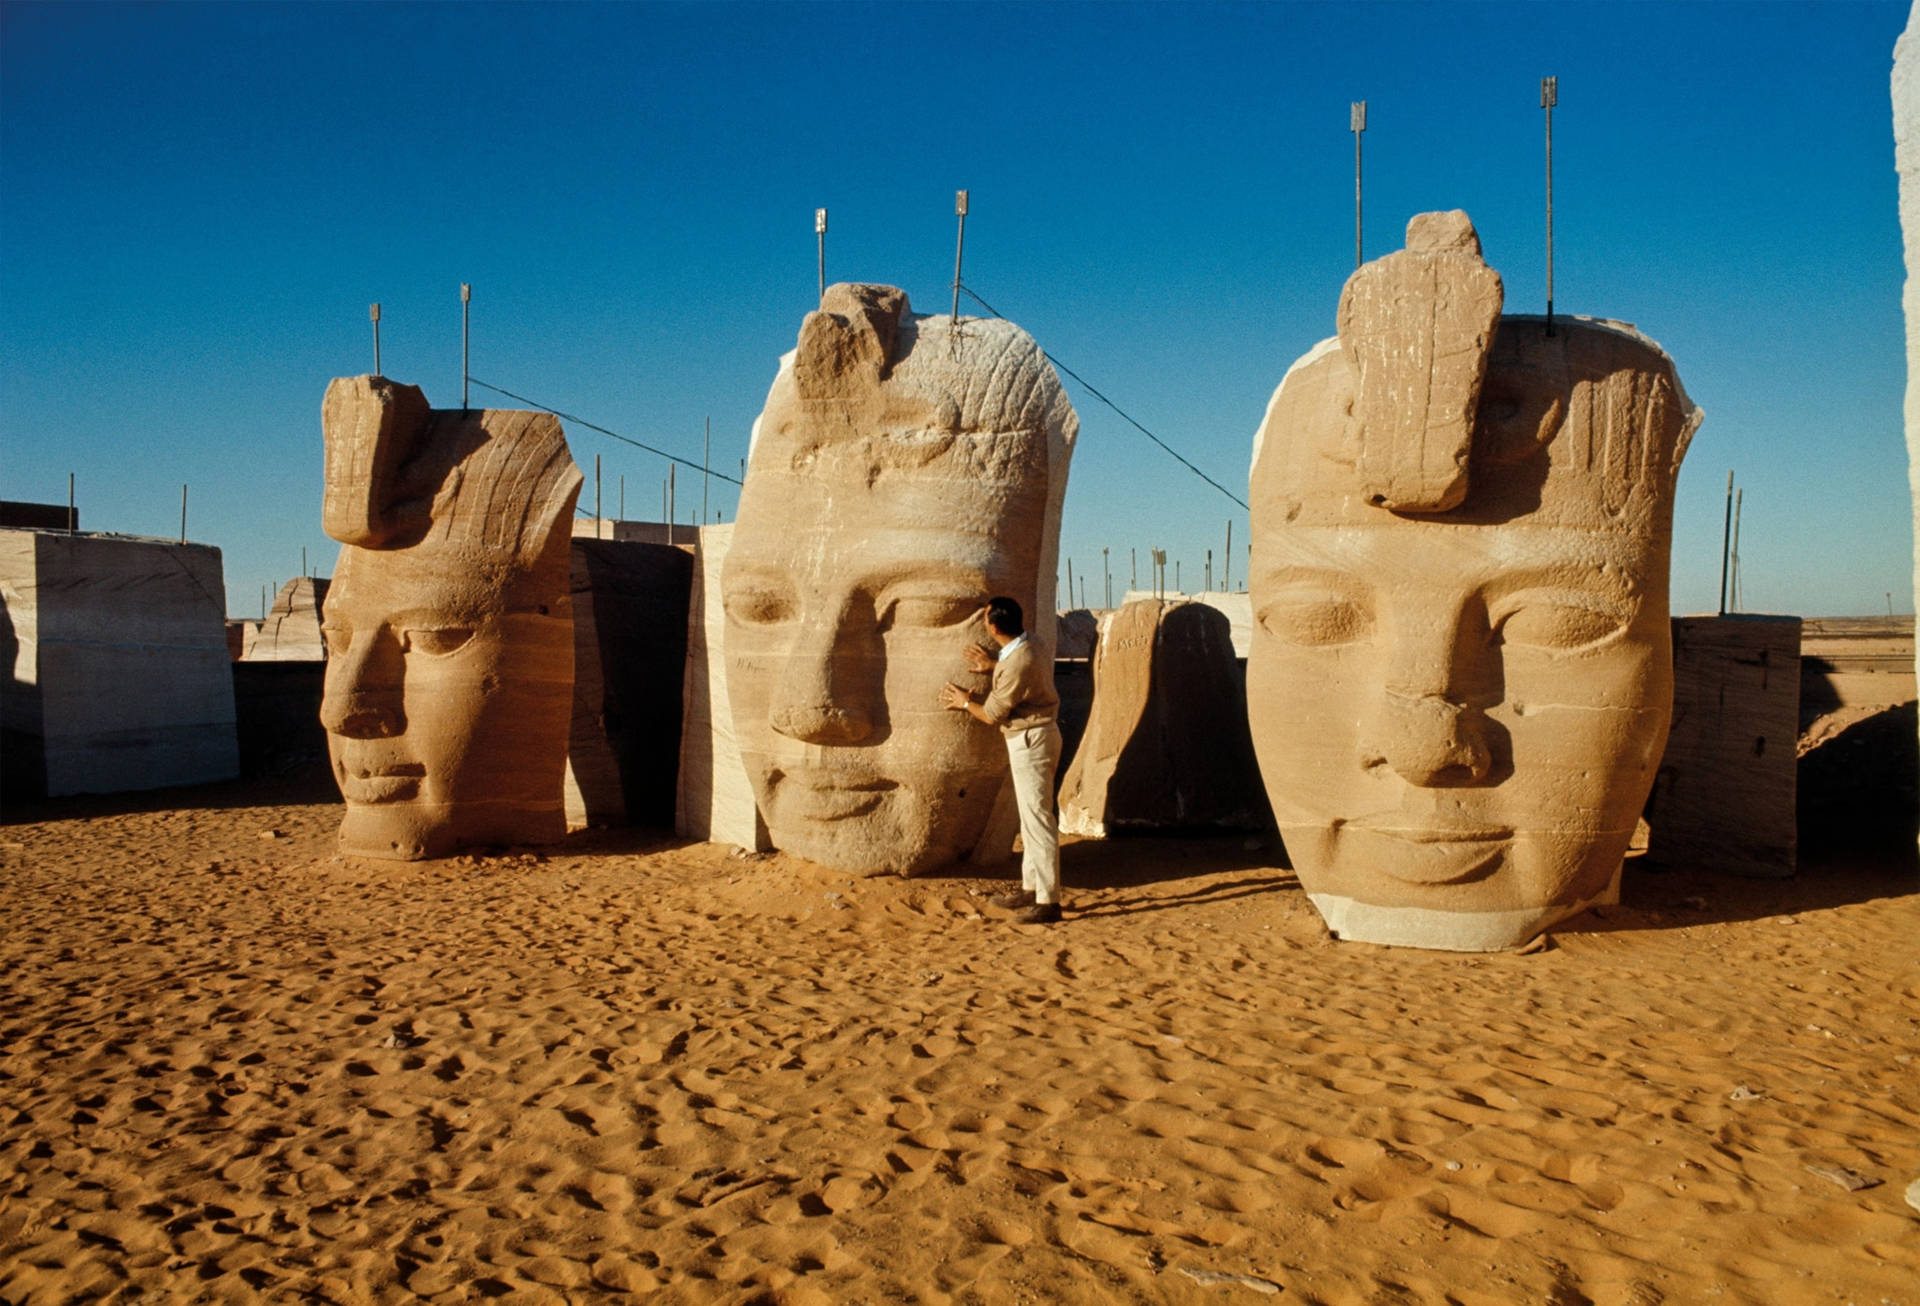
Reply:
x=1429, y=854
x=389, y=782
x=822, y=795
x=1396, y=825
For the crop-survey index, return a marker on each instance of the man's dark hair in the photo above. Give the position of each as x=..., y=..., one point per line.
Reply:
x=1003, y=614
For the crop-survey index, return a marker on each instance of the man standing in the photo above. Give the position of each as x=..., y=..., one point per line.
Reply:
x=1023, y=704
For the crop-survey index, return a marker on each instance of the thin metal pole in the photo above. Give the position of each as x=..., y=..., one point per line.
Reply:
x=820, y=240
x=1226, y=560
x=373, y=311
x=1133, y=568
x=599, y=531
x=1176, y=577
x=959, y=247
x=670, y=500
x=1738, y=496
x=1549, y=96
x=303, y=560
x=1727, y=538
x=1357, y=124
x=72, y=516
x=1069, y=582
x=183, y=514
x=706, y=458
x=263, y=603
x=1106, y=581
x=1209, y=588
x=466, y=301
x=665, y=514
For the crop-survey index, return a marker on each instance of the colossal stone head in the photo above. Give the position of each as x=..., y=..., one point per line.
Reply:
x=449, y=628
x=1461, y=675
x=904, y=469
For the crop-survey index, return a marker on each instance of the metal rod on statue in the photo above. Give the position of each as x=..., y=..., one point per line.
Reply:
x=1357, y=124
x=303, y=559
x=1226, y=560
x=670, y=503
x=1549, y=96
x=1069, y=582
x=599, y=531
x=1738, y=495
x=959, y=247
x=1726, y=544
x=706, y=458
x=373, y=311
x=466, y=302
x=820, y=240
x=183, y=516
x=1106, y=582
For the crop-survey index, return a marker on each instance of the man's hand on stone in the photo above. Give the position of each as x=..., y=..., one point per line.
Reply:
x=978, y=659
x=955, y=698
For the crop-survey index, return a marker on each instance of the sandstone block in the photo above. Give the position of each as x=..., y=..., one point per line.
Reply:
x=905, y=468
x=1166, y=744
x=291, y=631
x=1724, y=797
x=1459, y=712
x=449, y=625
x=114, y=656
x=715, y=798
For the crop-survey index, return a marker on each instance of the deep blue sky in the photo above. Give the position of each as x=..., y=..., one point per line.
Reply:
x=197, y=204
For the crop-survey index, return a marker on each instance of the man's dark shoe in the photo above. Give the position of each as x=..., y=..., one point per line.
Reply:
x=1013, y=901
x=1041, y=913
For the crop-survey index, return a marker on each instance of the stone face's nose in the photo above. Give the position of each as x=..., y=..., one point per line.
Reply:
x=363, y=698
x=1417, y=327
x=817, y=699
x=1429, y=741
x=822, y=723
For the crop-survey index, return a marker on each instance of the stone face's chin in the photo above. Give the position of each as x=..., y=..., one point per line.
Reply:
x=862, y=824
x=1513, y=882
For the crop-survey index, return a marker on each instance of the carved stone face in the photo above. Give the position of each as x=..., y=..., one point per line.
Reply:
x=883, y=506
x=440, y=702
x=449, y=627
x=1459, y=713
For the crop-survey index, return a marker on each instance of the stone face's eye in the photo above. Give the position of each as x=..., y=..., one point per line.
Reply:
x=1562, y=624
x=759, y=605
x=436, y=642
x=928, y=611
x=1316, y=620
x=339, y=638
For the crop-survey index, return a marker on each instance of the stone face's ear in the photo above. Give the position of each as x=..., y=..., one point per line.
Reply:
x=1417, y=326
x=372, y=426
x=849, y=343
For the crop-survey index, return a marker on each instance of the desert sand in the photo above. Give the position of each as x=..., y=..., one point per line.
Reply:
x=238, y=1066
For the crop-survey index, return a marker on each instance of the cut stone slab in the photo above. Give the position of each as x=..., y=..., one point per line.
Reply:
x=714, y=796
x=1166, y=744
x=1724, y=796
x=1237, y=604
x=117, y=676
x=291, y=631
x=1906, y=158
